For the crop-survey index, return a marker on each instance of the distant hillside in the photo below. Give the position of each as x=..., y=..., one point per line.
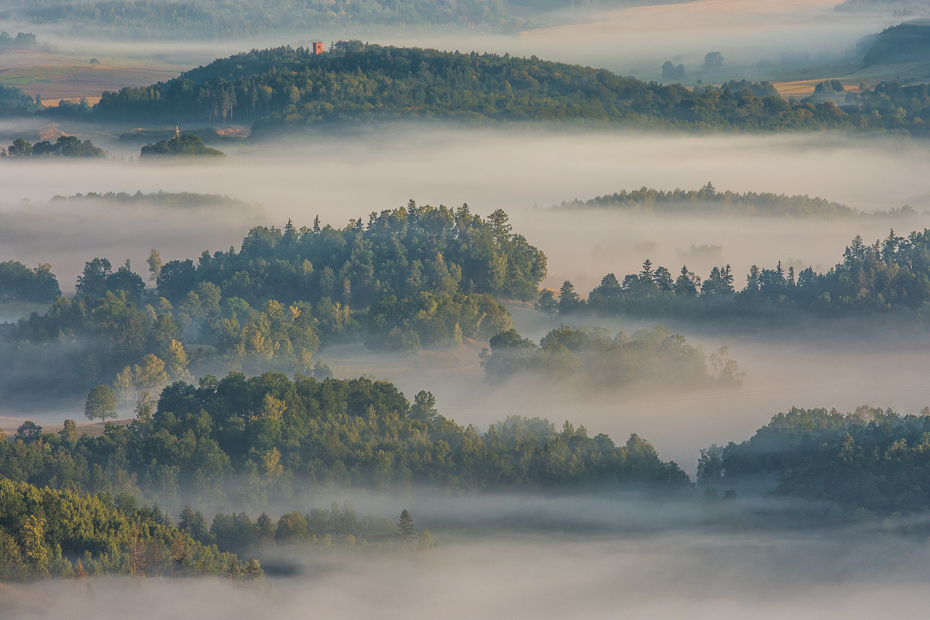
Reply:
x=161, y=198
x=709, y=200
x=358, y=82
x=905, y=42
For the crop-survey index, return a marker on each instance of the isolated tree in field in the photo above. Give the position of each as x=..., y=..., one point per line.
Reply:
x=713, y=60
x=405, y=525
x=101, y=403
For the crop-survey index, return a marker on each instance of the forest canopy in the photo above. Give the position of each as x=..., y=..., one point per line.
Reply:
x=413, y=277
x=268, y=438
x=891, y=275
x=356, y=82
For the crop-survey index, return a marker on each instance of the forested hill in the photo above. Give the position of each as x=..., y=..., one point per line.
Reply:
x=709, y=200
x=363, y=82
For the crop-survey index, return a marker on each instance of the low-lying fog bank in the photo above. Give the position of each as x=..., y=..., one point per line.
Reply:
x=663, y=577
x=514, y=168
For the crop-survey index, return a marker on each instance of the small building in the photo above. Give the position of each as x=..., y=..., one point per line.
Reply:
x=316, y=47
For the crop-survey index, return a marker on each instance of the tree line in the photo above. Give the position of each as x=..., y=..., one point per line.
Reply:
x=251, y=441
x=890, y=275
x=591, y=359
x=709, y=200
x=871, y=463
x=64, y=146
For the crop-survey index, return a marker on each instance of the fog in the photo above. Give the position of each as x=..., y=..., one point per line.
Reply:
x=789, y=34
x=666, y=576
x=517, y=169
x=525, y=171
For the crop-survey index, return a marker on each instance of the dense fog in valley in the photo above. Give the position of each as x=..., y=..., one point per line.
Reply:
x=663, y=576
x=404, y=385
x=526, y=172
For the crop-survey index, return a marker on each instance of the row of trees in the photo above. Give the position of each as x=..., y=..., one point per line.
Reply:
x=709, y=200
x=65, y=146
x=338, y=526
x=266, y=438
x=893, y=274
x=869, y=463
x=591, y=359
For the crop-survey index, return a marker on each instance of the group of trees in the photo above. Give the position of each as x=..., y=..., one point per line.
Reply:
x=22, y=41
x=20, y=283
x=829, y=87
x=358, y=81
x=709, y=200
x=266, y=438
x=336, y=527
x=62, y=533
x=65, y=146
x=869, y=463
x=186, y=145
x=160, y=198
x=891, y=275
x=413, y=277
x=592, y=359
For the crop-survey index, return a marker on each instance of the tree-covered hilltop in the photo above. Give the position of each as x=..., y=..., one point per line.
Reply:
x=159, y=198
x=708, y=200
x=413, y=277
x=905, y=42
x=64, y=533
x=65, y=146
x=890, y=276
x=197, y=19
x=20, y=283
x=590, y=359
x=359, y=82
x=867, y=463
x=254, y=440
x=188, y=145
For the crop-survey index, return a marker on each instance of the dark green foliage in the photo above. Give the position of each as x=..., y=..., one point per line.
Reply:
x=265, y=438
x=902, y=43
x=44, y=532
x=13, y=101
x=829, y=87
x=870, y=462
x=20, y=283
x=890, y=276
x=708, y=200
x=358, y=82
x=413, y=277
x=592, y=359
x=188, y=145
x=65, y=146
